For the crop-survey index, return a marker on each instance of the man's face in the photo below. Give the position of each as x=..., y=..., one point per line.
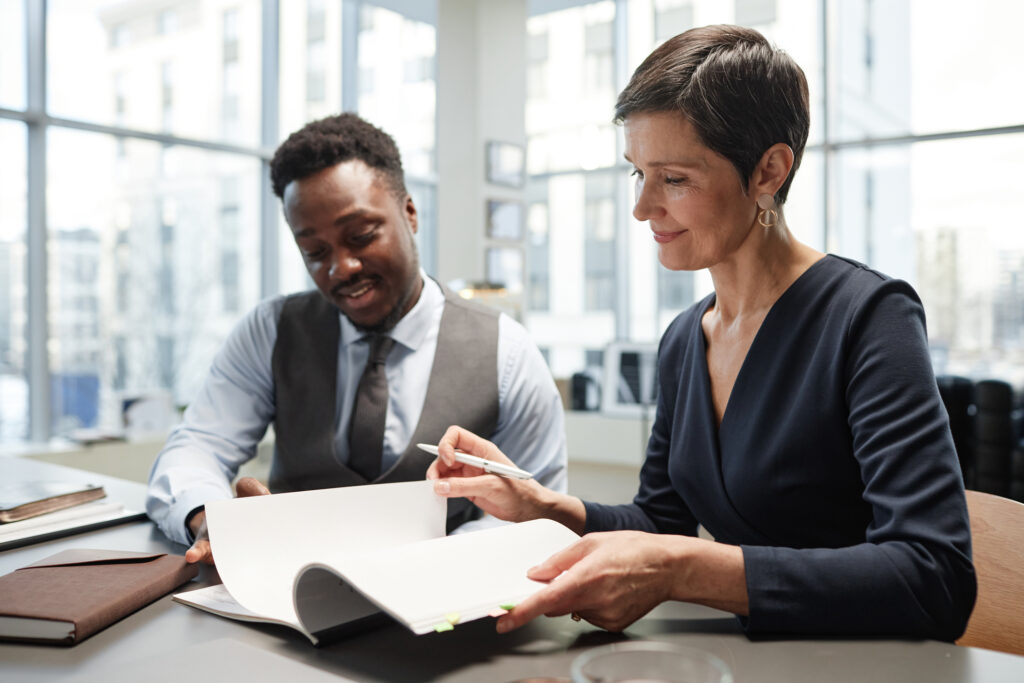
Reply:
x=356, y=238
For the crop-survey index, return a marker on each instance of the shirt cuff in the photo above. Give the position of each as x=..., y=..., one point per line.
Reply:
x=183, y=507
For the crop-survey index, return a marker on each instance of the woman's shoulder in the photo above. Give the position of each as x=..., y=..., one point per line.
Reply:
x=846, y=279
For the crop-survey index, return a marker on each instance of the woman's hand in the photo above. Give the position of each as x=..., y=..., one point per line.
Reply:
x=513, y=500
x=612, y=579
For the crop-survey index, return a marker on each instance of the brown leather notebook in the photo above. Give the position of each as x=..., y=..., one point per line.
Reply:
x=32, y=498
x=67, y=597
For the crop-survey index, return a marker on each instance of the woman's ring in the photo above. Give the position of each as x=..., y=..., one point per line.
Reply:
x=575, y=617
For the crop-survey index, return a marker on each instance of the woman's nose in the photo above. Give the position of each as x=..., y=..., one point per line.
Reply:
x=645, y=206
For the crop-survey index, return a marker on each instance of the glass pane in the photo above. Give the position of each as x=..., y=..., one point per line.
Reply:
x=570, y=324
x=189, y=69
x=12, y=54
x=925, y=66
x=153, y=257
x=398, y=84
x=13, y=292
x=957, y=243
x=792, y=25
x=310, y=62
x=571, y=89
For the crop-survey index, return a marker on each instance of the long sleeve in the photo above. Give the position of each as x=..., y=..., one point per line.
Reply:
x=912, y=575
x=221, y=427
x=657, y=507
x=833, y=466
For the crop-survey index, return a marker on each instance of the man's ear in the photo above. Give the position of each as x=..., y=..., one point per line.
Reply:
x=771, y=171
x=410, y=214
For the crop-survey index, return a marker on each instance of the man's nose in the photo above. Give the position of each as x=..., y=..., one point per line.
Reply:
x=344, y=266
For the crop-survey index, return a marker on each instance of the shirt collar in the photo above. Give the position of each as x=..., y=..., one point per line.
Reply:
x=412, y=329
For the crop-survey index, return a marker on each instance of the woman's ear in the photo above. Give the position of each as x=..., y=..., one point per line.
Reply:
x=771, y=171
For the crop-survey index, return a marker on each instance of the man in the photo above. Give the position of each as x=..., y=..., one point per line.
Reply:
x=354, y=375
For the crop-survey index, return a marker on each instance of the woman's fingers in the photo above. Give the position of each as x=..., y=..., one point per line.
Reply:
x=457, y=438
x=561, y=561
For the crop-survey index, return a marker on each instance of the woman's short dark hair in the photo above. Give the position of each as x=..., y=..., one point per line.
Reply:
x=331, y=141
x=741, y=94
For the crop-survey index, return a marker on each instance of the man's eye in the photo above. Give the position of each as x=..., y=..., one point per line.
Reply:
x=638, y=173
x=314, y=254
x=364, y=237
x=674, y=180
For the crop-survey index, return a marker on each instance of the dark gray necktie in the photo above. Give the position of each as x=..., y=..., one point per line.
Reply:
x=369, y=411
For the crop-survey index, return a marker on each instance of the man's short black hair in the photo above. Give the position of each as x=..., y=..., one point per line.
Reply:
x=331, y=141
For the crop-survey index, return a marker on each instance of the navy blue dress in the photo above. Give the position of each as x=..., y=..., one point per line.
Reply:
x=833, y=467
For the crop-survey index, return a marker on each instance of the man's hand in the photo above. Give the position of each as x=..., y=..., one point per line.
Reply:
x=200, y=550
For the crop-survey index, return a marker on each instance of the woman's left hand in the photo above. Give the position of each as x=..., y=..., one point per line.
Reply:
x=610, y=579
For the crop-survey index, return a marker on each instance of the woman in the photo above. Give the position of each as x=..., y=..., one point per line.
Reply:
x=798, y=418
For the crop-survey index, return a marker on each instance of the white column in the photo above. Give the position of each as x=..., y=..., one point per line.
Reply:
x=481, y=91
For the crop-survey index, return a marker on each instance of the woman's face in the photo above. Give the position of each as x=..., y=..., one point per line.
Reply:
x=692, y=196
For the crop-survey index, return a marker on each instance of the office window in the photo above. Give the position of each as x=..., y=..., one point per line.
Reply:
x=538, y=255
x=105, y=65
x=154, y=241
x=144, y=254
x=400, y=95
x=958, y=242
x=898, y=73
x=672, y=17
x=12, y=54
x=13, y=281
x=310, y=62
x=599, y=242
x=167, y=21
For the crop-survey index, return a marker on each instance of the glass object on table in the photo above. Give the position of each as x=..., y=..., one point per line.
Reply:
x=649, y=661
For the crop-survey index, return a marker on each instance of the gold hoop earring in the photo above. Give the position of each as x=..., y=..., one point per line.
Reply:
x=768, y=218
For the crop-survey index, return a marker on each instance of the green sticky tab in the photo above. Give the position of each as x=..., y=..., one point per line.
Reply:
x=452, y=618
x=444, y=626
x=508, y=606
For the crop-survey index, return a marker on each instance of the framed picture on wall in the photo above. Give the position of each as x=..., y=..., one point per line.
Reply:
x=505, y=267
x=506, y=163
x=504, y=220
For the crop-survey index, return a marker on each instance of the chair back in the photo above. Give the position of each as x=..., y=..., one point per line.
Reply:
x=997, y=539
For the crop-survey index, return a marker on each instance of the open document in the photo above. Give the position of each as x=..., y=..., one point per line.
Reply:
x=318, y=560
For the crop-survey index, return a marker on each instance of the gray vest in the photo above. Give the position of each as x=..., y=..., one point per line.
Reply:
x=462, y=390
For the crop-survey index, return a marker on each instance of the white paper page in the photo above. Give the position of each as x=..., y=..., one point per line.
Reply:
x=216, y=599
x=75, y=517
x=467, y=574
x=260, y=543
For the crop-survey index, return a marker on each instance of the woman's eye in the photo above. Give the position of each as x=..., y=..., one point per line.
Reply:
x=674, y=180
x=637, y=173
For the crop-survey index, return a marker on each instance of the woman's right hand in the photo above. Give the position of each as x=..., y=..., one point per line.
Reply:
x=513, y=500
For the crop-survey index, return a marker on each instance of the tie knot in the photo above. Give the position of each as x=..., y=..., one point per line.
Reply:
x=380, y=347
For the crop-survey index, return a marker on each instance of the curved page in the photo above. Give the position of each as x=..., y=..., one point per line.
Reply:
x=260, y=543
x=428, y=583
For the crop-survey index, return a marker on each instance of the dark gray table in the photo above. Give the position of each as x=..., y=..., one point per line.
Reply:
x=170, y=642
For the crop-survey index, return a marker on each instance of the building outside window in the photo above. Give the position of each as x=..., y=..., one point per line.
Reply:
x=153, y=217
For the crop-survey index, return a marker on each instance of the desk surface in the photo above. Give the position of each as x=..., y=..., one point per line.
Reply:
x=169, y=641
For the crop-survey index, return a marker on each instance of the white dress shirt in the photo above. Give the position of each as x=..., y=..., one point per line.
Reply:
x=230, y=415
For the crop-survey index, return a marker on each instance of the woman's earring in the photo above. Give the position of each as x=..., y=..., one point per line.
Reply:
x=767, y=217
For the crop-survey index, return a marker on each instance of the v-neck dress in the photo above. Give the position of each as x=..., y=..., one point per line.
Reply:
x=833, y=467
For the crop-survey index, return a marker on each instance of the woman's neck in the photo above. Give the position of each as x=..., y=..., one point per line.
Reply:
x=752, y=278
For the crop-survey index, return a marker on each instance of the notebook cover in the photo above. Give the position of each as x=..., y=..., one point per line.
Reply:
x=90, y=588
x=33, y=498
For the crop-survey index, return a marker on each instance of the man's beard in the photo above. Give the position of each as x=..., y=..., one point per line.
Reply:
x=388, y=322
